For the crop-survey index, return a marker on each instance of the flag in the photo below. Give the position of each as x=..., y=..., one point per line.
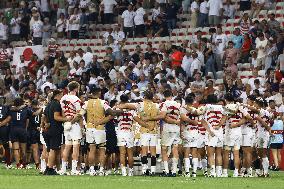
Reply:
x=27, y=52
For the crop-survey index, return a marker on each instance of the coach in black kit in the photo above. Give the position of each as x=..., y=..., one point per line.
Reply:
x=53, y=118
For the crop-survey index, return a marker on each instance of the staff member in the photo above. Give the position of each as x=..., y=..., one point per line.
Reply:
x=53, y=117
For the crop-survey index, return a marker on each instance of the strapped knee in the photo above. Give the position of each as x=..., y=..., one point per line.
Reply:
x=144, y=160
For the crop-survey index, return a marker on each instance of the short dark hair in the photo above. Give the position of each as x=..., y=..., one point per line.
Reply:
x=168, y=93
x=212, y=99
x=73, y=85
x=95, y=90
x=229, y=97
x=124, y=98
x=18, y=102
x=148, y=95
x=189, y=99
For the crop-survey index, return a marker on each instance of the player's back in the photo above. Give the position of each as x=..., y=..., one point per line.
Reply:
x=125, y=120
x=70, y=105
x=213, y=114
x=19, y=117
x=4, y=112
x=172, y=108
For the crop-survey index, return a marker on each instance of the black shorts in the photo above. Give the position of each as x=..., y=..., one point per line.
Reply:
x=53, y=141
x=140, y=30
x=33, y=136
x=19, y=135
x=4, y=134
x=276, y=145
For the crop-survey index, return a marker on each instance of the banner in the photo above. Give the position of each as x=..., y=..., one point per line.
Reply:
x=27, y=52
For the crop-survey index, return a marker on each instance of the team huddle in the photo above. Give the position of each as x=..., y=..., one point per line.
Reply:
x=188, y=133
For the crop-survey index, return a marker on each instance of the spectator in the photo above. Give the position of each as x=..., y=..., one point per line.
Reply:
x=36, y=30
x=159, y=28
x=108, y=9
x=45, y=8
x=280, y=62
x=245, y=5
x=186, y=63
x=215, y=12
x=247, y=45
x=46, y=32
x=231, y=54
x=229, y=10
x=74, y=24
x=61, y=5
x=128, y=22
x=24, y=26
x=195, y=66
x=156, y=11
x=245, y=23
x=3, y=30
x=261, y=43
x=203, y=14
x=208, y=57
x=171, y=15
x=15, y=27
x=93, y=12
x=61, y=26
x=117, y=34
x=256, y=7
x=220, y=44
x=139, y=20
x=194, y=13
x=273, y=24
x=271, y=52
x=185, y=6
x=238, y=39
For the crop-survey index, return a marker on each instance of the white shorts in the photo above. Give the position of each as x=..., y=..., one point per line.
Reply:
x=217, y=140
x=233, y=141
x=148, y=139
x=74, y=134
x=94, y=136
x=201, y=141
x=125, y=139
x=170, y=138
x=248, y=140
x=262, y=141
x=190, y=138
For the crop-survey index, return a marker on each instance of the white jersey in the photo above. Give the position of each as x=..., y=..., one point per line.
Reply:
x=247, y=127
x=191, y=116
x=71, y=105
x=125, y=121
x=240, y=114
x=172, y=108
x=213, y=114
x=266, y=116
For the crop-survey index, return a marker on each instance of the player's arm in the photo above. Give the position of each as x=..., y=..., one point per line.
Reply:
x=206, y=126
x=222, y=122
x=161, y=115
x=263, y=123
x=5, y=121
x=59, y=117
x=113, y=112
x=104, y=120
x=36, y=113
x=141, y=122
x=171, y=121
x=129, y=106
x=186, y=119
x=240, y=123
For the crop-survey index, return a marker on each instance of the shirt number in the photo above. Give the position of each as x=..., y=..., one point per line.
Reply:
x=18, y=116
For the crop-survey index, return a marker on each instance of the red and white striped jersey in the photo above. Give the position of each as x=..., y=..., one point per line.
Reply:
x=125, y=120
x=191, y=116
x=52, y=50
x=213, y=114
x=247, y=128
x=71, y=105
x=172, y=108
x=266, y=116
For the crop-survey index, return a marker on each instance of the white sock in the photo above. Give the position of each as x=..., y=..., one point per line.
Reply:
x=144, y=168
x=225, y=171
x=92, y=169
x=74, y=165
x=186, y=164
x=204, y=164
x=265, y=165
x=236, y=171
x=219, y=170
x=153, y=169
x=249, y=171
x=213, y=170
x=64, y=166
x=42, y=164
x=243, y=170
x=101, y=168
x=195, y=164
x=166, y=167
x=175, y=163
x=123, y=170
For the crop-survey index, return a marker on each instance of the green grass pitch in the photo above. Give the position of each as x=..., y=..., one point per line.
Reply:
x=30, y=179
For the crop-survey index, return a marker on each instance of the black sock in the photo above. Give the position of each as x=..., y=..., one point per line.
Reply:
x=153, y=160
x=144, y=160
x=256, y=163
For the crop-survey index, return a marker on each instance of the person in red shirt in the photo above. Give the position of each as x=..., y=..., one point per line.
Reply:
x=176, y=57
x=246, y=48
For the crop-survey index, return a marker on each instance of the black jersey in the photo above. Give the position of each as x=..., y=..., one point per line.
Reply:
x=4, y=112
x=35, y=121
x=19, y=117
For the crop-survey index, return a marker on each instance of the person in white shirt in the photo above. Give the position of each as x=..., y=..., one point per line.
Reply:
x=74, y=24
x=84, y=4
x=194, y=13
x=117, y=34
x=220, y=44
x=203, y=14
x=3, y=30
x=186, y=63
x=44, y=8
x=128, y=21
x=36, y=30
x=139, y=21
x=61, y=26
x=108, y=7
x=215, y=11
x=195, y=65
x=261, y=43
x=156, y=11
x=88, y=57
x=256, y=7
x=15, y=26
